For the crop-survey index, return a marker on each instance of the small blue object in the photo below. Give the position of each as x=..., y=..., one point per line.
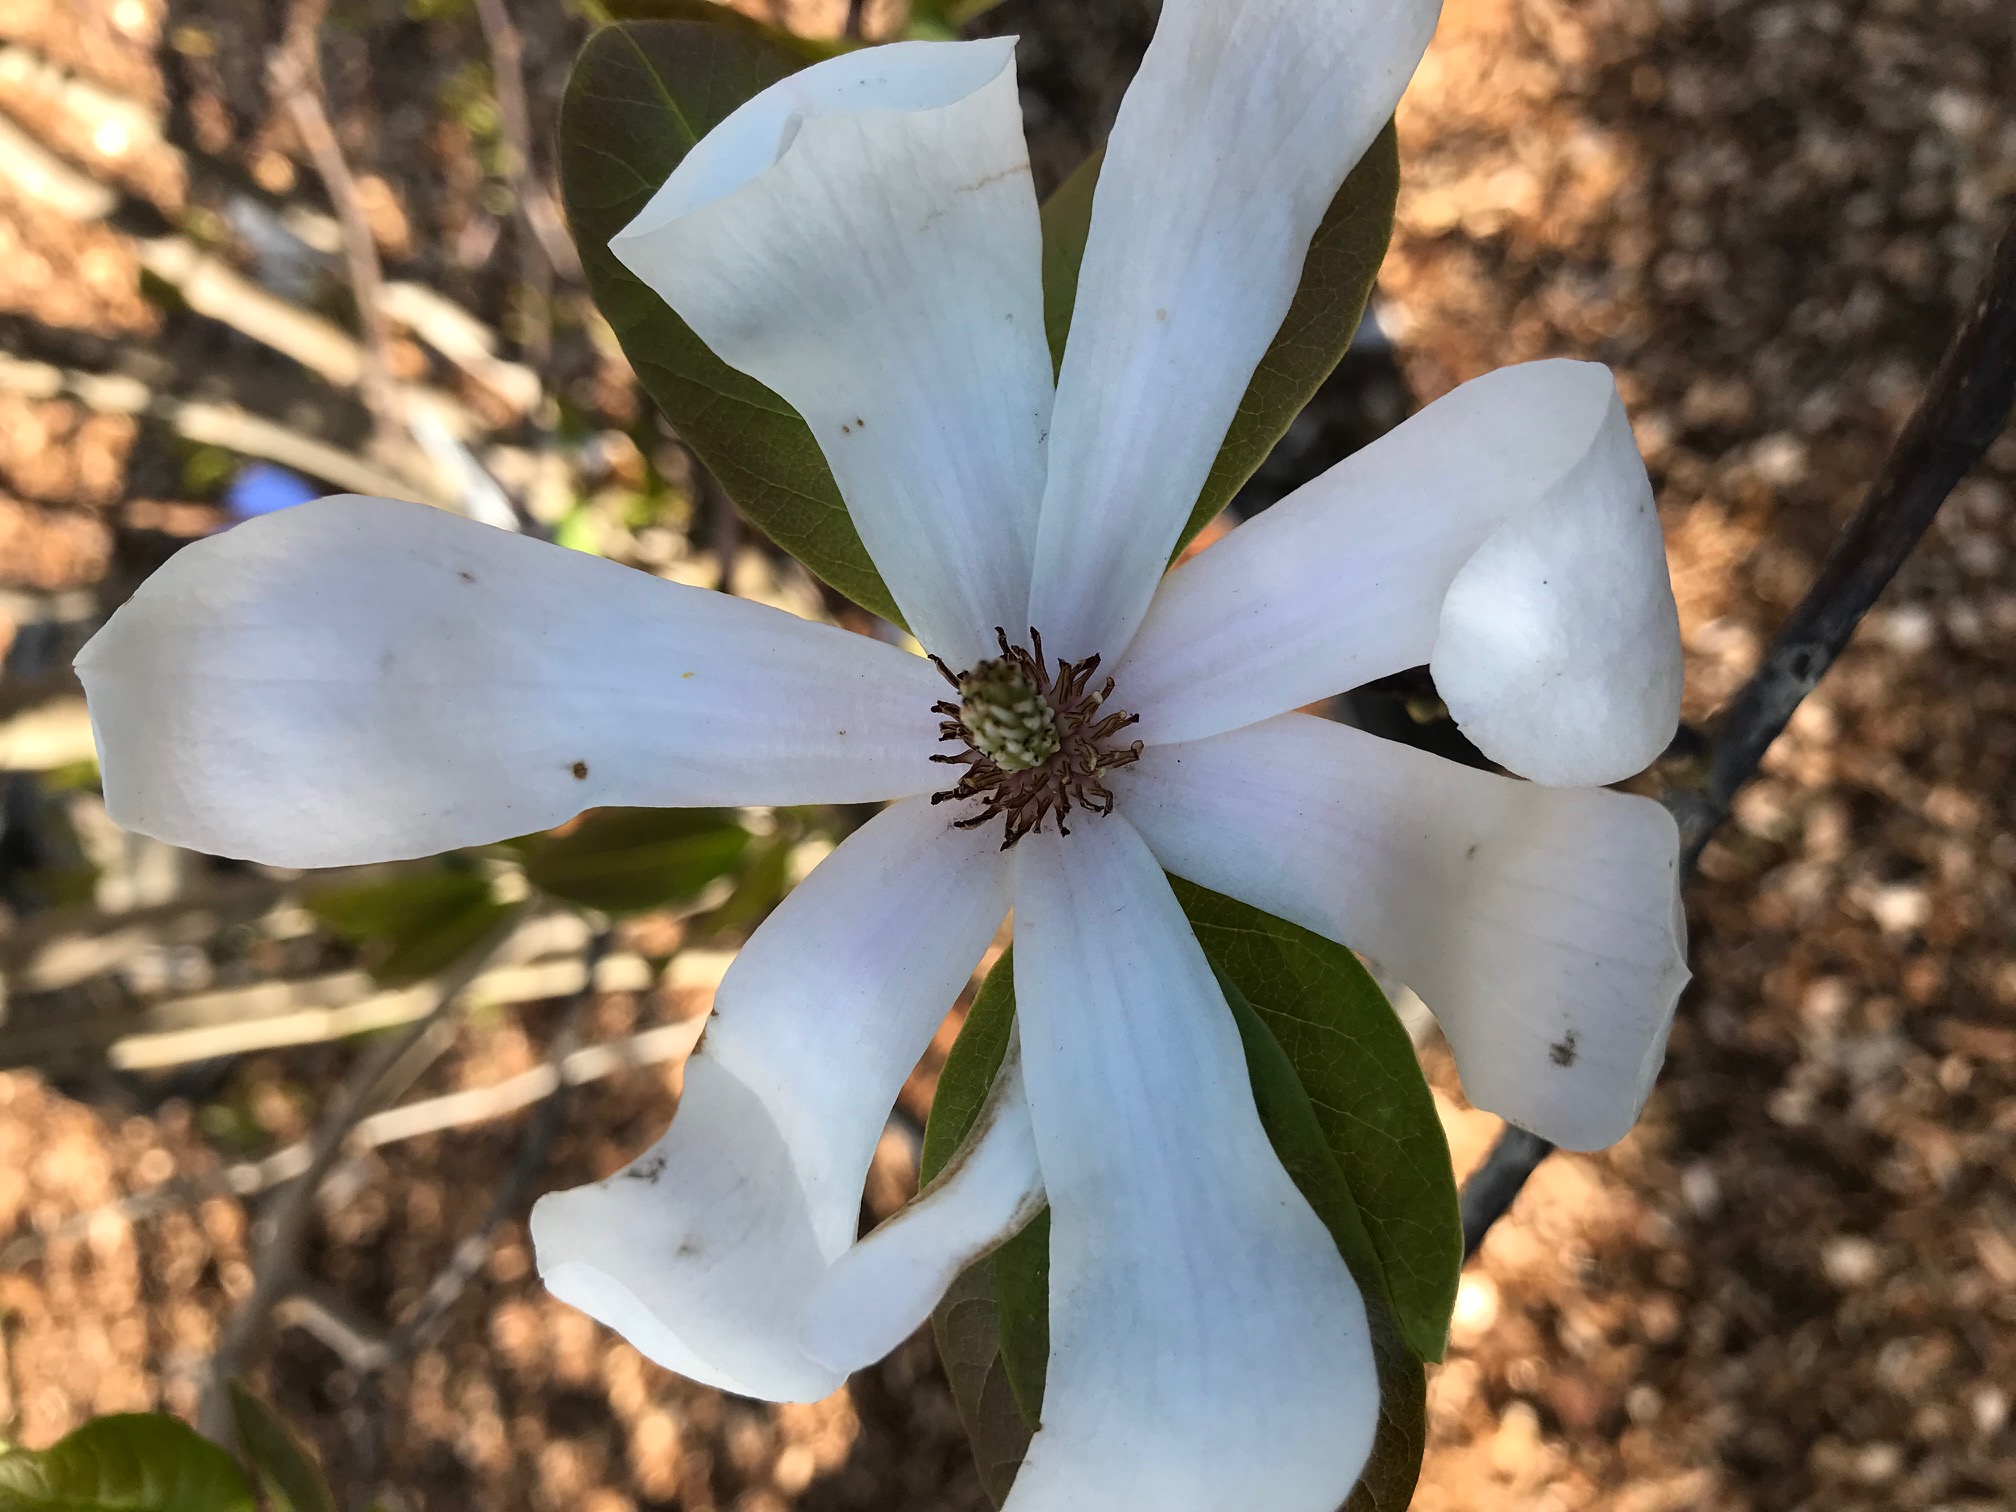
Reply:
x=261, y=488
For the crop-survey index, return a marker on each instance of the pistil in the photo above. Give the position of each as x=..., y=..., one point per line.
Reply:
x=1033, y=745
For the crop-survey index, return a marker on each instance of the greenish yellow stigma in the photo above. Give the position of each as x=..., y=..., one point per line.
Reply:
x=1035, y=745
x=1005, y=717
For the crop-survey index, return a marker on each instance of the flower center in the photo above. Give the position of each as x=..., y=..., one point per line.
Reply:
x=1033, y=745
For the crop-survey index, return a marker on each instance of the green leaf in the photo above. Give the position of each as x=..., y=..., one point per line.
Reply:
x=642, y=94
x=134, y=1462
x=425, y=918
x=1017, y=1282
x=1337, y=279
x=628, y=860
x=1353, y=1058
x=1286, y=1113
x=765, y=879
x=286, y=1466
x=967, y=1327
x=1067, y=221
x=993, y=1326
x=970, y=1068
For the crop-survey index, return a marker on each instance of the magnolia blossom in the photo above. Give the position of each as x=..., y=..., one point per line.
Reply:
x=360, y=680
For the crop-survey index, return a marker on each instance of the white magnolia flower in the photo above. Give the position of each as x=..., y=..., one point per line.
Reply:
x=361, y=680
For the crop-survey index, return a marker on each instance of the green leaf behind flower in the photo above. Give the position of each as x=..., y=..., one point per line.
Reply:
x=422, y=919
x=1015, y=1280
x=643, y=93
x=627, y=860
x=993, y=1327
x=1387, y=1482
x=1354, y=1060
x=130, y=1462
x=286, y=1466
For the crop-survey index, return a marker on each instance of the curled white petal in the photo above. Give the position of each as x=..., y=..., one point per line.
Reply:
x=863, y=238
x=1506, y=532
x=1208, y=1348
x=695, y=1251
x=878, y=1292
x=1542, y=926
x=363, y=680
x=1558, y=652
x=705, y=1251
x=1243, y=122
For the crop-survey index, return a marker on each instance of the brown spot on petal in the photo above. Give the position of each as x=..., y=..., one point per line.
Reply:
x=580, y=771
x=1562, y=1052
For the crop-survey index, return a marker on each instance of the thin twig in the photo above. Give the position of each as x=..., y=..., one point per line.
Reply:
x=539, y=216
x=295, y=75
x=278, y=1252
x=1957, y=420
x=453, y=1278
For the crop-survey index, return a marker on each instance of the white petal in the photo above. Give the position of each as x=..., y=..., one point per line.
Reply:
x=706, y=1249
x=363, y=680
x=1558, y=646
x=695, y=1251
x=1208, y=1348
x=877, y=1294
x=1231, y=143
x=863, y=238
x=1541, y=925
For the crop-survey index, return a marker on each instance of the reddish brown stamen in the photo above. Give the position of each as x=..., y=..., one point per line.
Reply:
x=1072, y=775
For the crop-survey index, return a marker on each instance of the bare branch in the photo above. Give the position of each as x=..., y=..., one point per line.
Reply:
x=536, y=210
x=453, y=1278
x=278, y=1252
x=295, y=75
x=1957, y=420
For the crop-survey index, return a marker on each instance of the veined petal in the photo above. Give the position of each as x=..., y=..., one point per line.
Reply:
x=1208, y=1348
x=863, y=238
x=1243, y=122
x=704, y=1251
x=877, y=1293
x=364, y=680
x=1541, y=925
x=1506, y=533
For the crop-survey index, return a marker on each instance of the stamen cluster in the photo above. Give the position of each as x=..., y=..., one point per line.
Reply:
x=1033, y=745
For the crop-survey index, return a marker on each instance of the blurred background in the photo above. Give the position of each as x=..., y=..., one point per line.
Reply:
x=1793, y=1287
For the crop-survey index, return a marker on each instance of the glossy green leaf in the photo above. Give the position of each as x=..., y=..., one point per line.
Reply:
x=1017, y=1281
x=993, y=1327
x=133, y=1462
x=765, y=879
x=967, y=1327
x=383, y=908
x=642, y=94
x=424, y=919
x=1288, y=1116
x=1337, y=278
x=1358, y=1067
x=286, y=1466
x=628, y=860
